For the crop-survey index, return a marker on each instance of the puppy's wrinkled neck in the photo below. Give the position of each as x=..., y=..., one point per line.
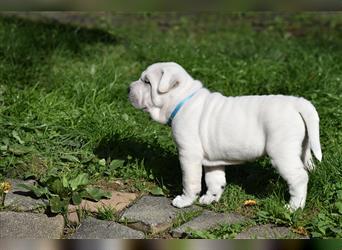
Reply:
x=163, y=113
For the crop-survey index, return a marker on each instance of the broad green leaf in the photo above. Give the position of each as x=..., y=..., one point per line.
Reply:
x=57, y=187
x=80, y=180
x=156, y=191
x=316, y=235
x=96, y=193
x=287, y=216
x=87, y=158
x=57, y=205
x=102, y=162
x=65, y=182
x=30, y=175
x=69, y=157
x=27, y=187
x=116, y=164
x=76, y=198
x=53, y=172
x=339, y=194
x=322, y=229
x=41, y=191
x=49, y=180
x=37, y=190
x=338, y=205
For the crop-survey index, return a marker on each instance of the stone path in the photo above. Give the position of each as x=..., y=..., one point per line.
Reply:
x=138, y=218
x=19, y=200
x=16, y=225
x=152, y=214
x=99, y=229
x=118, y=202
x=269, y=231
x=207, y=220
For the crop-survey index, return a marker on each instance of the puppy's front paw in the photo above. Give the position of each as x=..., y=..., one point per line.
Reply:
x=183, y=201
x=208, y=199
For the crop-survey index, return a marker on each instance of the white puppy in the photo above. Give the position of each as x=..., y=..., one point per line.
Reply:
x=213, y=130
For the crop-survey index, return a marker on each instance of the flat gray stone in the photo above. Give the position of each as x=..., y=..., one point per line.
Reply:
x=30, y=226
x=269, y=231
x=207, y=220
x=152, y=214
x=18, y=198
x=92, y=228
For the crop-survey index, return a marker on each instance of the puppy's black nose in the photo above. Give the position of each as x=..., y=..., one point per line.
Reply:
x=128, y=90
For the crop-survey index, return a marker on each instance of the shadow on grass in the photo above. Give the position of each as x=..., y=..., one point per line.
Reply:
x=253, y=177
x=162, y=164
x=27, y=46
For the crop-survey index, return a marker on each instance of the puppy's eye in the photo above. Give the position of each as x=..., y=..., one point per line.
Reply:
x=145, y=80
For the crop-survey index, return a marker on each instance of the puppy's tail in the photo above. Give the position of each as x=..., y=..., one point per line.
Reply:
x=311, y=119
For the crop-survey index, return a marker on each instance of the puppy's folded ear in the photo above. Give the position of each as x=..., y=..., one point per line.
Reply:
x=169, y=79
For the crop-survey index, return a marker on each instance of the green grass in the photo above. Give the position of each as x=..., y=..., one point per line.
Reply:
x=107, y=213
x=184, y=217
x=64, y=107
x=222, y=231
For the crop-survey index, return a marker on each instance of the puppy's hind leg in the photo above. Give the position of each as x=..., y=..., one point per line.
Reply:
x=292, y=170
x=215, y=179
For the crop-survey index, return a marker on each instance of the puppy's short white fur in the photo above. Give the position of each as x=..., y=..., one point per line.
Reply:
x=213, y=130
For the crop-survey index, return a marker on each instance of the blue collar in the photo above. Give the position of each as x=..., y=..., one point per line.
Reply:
x=178, y=107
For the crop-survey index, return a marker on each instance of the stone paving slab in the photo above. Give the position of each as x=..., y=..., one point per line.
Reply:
x=152, y=214
x=207, y=220
x=18, y=198
x=269, y=231
x=30, y=226
x=92, y=228
x=118, y=201
x=73, y=218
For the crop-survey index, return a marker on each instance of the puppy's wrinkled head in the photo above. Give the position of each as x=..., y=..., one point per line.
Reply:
x=157, y=88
